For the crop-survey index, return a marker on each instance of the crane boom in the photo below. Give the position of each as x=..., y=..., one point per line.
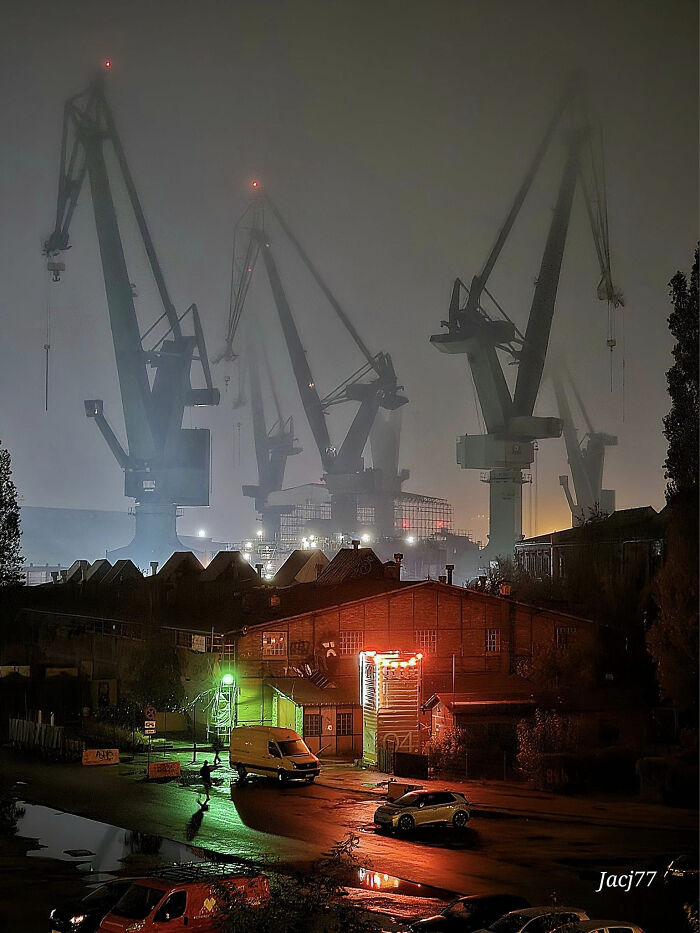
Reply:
x=539, y=322
x=305, y=382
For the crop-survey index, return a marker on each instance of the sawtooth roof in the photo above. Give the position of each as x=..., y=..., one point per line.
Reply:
x=352, y=564
x=228, y=565
x=296, y=567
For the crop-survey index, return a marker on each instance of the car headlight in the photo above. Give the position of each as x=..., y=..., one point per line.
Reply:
x=78, y=919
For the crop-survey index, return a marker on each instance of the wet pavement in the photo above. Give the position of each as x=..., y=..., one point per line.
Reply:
x=291, y=826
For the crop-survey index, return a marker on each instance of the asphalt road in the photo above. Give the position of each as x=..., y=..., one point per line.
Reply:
x=293, y=825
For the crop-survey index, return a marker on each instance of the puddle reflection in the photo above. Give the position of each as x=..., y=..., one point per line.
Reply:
x=90, y=845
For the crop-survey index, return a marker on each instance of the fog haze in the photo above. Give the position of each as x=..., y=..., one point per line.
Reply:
x=393, y=137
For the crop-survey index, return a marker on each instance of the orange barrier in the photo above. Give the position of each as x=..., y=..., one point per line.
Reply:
x=101, y=756
x=164, y=769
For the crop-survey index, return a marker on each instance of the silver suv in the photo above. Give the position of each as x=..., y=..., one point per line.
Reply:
x=420, y=808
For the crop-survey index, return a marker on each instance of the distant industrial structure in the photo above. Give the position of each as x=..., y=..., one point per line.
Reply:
x=353, y=501
x=165, y=465
x=586, y=457
x=512, y=430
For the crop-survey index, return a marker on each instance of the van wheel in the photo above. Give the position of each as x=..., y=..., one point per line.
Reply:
x=242, y=773
x=281, y=777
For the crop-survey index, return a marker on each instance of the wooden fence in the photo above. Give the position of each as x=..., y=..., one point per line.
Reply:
x=49, y=741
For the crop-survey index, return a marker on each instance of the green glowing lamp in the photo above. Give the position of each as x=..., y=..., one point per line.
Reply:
x=227, y=680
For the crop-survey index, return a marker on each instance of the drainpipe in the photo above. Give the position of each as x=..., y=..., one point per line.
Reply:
x=450, y=569
x=154, y=567
x=259, y=569
x=355, y=544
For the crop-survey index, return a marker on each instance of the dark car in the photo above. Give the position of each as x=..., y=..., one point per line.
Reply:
x=86, y=914
x=681, y=875
x=469, y=913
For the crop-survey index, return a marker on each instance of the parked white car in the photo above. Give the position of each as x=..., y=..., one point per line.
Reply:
x=601, y=926
x=420, y=808
x=536, y=920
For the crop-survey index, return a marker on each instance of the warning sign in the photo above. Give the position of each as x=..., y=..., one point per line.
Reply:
x=101, y=756
x=164, y=769
x=149, y=712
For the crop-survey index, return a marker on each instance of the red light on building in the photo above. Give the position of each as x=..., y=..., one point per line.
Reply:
x=108, y=64
x=390, y=698
x=255, y=184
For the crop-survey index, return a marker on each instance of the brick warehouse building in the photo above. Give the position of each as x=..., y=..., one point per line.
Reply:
x=470, y=642
x=294, y=651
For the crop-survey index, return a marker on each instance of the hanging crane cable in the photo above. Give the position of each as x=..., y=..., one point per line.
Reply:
x=47, y=349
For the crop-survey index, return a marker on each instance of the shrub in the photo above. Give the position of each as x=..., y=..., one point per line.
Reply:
x=108, y=735
x=545, y=733
x=310, y=903
x=447, y=749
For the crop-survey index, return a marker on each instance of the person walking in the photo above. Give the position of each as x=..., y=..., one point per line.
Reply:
x=205, y=772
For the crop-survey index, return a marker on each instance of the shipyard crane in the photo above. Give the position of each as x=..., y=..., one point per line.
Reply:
x=373, y=386
x=165, y=465
x=507, y=448
x=586, y=457
x=273, y=445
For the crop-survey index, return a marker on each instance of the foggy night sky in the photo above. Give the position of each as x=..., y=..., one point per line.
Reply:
x=393, y=136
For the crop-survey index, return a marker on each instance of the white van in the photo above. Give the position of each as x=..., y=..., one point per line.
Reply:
x=279, y=753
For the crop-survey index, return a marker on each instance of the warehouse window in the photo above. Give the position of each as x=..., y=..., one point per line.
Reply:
x=562, y=635
x=299, y=649
x=312, y=724
x=351, y=642
x=426, y=640
x=274, y=644
x=343, y=723
x=492, y=639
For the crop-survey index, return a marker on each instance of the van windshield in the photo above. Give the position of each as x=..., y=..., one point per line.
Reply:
x=293, y=747
x=138, y=902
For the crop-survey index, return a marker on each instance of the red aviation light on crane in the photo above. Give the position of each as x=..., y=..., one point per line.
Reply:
x=107, y=64
x=255, y=185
